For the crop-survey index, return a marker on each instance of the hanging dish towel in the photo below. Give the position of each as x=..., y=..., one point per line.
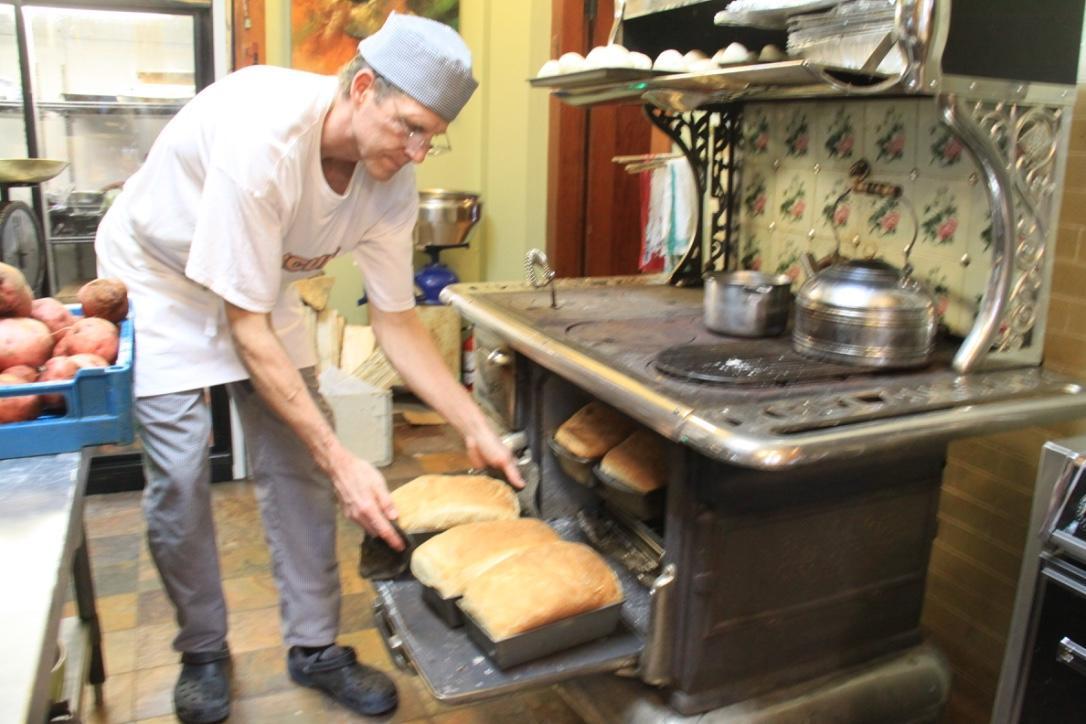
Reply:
x=683, y=212
x=657, y=220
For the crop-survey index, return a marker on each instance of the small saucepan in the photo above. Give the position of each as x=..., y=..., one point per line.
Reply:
x=747, y=303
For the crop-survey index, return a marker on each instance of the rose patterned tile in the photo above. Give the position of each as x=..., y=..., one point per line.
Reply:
x=756, y=202
x=886, y=224
x=944, y=210
x=796, y=135
x=840, y=134
x=889, y=136
x=788, y=249
x=795, y=201
x=939, y=152
x=757, y=139
x=754, y=246
x=944, y=282
x=831, y=216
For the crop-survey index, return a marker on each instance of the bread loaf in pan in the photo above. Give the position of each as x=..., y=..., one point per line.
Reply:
x=638, y=462
x=449, y=560
x=593, y=430
x=439, y=502
x=539, y=586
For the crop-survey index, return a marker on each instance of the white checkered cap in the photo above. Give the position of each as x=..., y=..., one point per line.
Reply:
x=425, y=59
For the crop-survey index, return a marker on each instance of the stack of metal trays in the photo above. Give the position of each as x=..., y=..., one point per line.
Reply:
x=846, y=36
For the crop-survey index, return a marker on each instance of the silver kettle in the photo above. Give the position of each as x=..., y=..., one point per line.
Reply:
x=865, y=312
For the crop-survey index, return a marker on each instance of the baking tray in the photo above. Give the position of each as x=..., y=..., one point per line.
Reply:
x=596, y=77
x=643, y=506
x=576, y=467
x=540, y=642
x=447, y=609
x=740, y=77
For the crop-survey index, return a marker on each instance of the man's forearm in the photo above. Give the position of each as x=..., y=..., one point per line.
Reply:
x=408, y=345
x=280, y=385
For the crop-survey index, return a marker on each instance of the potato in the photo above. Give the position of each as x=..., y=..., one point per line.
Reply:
x=57, y=368
x=24, y=372
x=17, y=409
x=54, y=315
x=105, y=298
x=24, y=341
x=91, y=335
x=88, y=360
x=15, y=295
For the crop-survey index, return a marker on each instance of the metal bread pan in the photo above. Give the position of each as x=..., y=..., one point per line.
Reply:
x=445, y=608
x=378, y=560
x=643, y=506
x=540, y=642
x=576, y=467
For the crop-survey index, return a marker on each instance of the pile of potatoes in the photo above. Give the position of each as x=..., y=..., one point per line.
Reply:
x=41, y=341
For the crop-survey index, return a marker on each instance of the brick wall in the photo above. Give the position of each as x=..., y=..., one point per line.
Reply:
x=988, y=484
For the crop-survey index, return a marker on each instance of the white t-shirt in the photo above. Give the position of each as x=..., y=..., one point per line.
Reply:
x=232, y=204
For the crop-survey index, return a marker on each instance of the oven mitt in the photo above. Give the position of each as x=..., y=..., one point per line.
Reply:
x=379, y=561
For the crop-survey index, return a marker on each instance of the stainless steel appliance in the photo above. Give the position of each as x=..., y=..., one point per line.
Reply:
x=1044, y=668
x=96, y=106
x=785, y=579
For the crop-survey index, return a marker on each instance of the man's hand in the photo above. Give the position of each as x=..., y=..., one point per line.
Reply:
x=365, y=499
x=486, y=450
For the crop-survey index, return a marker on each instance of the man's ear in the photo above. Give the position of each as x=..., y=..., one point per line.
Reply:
x=361, y=83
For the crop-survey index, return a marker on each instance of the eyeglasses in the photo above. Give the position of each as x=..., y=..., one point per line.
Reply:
x=417, y=139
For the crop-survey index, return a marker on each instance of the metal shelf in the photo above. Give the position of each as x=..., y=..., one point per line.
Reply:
x=755, y=81
x=89, y=239
x=96, y=108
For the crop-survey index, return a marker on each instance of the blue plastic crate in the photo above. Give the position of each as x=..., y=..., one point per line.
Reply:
x=98, y=406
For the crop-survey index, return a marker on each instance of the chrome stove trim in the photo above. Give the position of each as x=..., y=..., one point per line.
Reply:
x=757, y=435
x=997, y=184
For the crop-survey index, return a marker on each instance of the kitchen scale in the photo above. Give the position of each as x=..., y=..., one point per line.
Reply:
x=446, y=219
x=22, y=241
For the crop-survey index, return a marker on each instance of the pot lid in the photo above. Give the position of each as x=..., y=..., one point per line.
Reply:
x=869, y=285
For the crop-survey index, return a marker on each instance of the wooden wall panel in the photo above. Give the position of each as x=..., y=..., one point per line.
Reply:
x=566, y=154
x=249, y=36
x=593, y=206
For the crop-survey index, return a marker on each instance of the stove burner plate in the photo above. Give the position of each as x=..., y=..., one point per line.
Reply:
x=634, y=332
x=760, y=362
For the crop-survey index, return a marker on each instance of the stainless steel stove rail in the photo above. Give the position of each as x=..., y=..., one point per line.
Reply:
x=774, y=430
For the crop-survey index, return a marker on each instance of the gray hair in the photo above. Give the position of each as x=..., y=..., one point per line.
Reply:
x=381, y=87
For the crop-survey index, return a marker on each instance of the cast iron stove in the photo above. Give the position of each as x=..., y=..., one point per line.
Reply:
x=752, y=402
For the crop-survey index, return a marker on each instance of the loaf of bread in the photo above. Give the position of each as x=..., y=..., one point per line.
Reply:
x=593, y=430
x=637, y=462
x=438, y=502
x=540, y=585
x=448, y=561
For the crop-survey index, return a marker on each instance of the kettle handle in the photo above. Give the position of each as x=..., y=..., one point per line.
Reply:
x=858, y=173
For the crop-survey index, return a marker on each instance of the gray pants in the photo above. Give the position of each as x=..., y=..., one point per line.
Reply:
x=297, y=504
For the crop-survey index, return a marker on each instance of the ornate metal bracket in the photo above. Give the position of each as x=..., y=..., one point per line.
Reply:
x=1016, y=148
x=707, y=139
x=690, y=132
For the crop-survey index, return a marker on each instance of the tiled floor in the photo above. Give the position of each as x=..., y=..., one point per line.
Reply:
x=138, y=623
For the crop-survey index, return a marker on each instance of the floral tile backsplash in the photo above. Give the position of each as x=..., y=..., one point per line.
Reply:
x=795, y=160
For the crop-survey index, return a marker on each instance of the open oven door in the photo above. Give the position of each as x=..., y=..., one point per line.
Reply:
x=456, y=671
